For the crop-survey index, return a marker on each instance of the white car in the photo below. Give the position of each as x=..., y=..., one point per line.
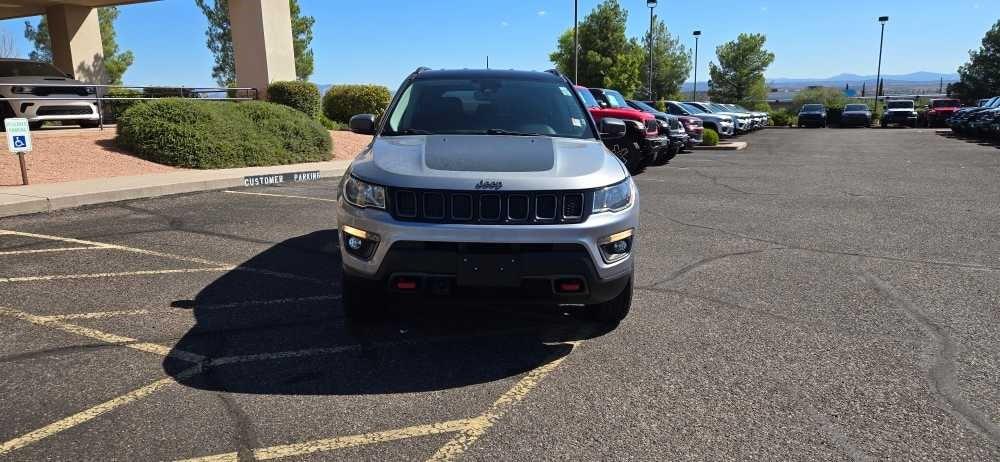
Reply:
x=39, y=83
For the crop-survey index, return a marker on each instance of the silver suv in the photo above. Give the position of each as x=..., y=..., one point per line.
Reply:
x=489, y=185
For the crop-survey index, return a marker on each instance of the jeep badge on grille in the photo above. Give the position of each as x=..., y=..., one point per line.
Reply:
x=488, y=184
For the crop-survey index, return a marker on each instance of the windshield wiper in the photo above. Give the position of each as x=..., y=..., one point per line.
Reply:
x=408, y=131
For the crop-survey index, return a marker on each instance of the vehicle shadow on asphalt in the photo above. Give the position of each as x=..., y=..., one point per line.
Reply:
x=971, y=139
x=276, y=326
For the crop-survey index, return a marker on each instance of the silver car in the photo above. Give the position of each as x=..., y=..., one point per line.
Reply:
x=488, y=185
x=40, y=92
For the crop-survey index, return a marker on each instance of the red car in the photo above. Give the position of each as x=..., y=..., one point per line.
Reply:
x=940, y=110
x=642, y=142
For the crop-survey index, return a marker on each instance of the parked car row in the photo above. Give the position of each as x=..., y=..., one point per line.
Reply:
x=980, y=121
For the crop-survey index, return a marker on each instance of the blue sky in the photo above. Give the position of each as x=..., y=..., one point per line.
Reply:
x=380, y=42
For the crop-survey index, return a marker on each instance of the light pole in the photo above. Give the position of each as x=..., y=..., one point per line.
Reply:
x=576, y=44
x=651, y=4
x=694, y=92
x=878, y=73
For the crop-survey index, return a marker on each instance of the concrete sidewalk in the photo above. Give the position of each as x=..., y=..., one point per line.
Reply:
x=19, y=200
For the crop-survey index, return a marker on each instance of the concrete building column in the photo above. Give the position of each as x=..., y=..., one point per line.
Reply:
x=262, y=42
x=76, y=42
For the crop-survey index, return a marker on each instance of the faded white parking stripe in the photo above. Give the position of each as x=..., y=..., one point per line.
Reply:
x=58, y=277
x=221, y=306
x=62, y=249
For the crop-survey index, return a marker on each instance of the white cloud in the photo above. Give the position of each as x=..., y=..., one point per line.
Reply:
x=542, y=13
x=504, y=23
x=763, y=9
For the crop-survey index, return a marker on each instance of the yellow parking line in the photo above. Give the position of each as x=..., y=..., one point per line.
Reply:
x=220, y=306
x=115, y=246
x=92, y=413
x=59, y=277
x=469, y=435
x=287, y=196
x=62, y=249
x=341, y=442
x=105, y=337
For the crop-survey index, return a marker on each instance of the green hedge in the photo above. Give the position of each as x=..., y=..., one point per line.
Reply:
x=782, y=118
x=343, y=101
x=211, y=134
x=709, y=137
x=295, y=94
x=111, y=110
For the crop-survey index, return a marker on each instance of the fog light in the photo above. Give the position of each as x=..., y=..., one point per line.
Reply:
x=354, y=243
x=359, y=243
x=616, y=246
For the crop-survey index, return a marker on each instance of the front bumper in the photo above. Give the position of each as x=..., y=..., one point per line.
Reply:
x=51, y=109
x=543, y=252
x=908, y=119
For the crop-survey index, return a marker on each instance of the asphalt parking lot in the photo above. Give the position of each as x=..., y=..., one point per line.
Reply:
x=824, y=294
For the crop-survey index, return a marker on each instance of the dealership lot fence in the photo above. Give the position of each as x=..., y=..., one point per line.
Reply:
x=107, y=97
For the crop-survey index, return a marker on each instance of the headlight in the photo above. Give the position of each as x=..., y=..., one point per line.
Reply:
x=361, y=194
x=614, y=198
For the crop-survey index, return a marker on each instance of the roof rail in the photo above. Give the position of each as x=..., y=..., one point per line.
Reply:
x=556, y=72
x=421, y=69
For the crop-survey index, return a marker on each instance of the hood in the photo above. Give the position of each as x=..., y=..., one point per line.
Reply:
x=622, y=113
x=38, y=81
x=459, y=162
x=865, y=112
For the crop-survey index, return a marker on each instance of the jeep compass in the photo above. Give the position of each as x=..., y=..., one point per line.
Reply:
x=487, y=185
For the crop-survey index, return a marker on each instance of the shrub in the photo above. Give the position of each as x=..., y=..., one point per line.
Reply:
x=295, y=94
x=709, y=137
x=111, y=110
x=781, y=118
x=195, y=133
x=331, y=125
x=343, y=101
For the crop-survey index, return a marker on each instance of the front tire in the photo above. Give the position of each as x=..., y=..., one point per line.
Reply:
x=630, y=154
x=613, y=311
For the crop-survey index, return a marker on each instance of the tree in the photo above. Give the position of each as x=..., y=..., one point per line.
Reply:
x=608, y=58
x=219, y=38
x=827, y=96
x=980, y=77
x=8, y=49
x=301, y=38
x=671, y=62
x=739, y=76
x=115, y=63
x=39, y=37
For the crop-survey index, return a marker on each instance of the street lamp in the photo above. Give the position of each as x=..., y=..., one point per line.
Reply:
x=576, y=44
x=694, y=92
x=878, y=73
x=651, y=4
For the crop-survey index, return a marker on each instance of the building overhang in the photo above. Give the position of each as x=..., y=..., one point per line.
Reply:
x=11, y=9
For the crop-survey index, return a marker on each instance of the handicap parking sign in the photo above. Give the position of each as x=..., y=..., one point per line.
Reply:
x=18, y=135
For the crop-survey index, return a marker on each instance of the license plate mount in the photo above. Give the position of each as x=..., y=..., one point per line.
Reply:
x=489, y=270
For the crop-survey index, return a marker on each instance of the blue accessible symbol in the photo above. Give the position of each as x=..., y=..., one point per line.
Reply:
x=20, y=141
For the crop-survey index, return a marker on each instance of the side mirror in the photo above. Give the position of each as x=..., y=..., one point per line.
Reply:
x=612, y=128
x=602, y=104
x=363, y=124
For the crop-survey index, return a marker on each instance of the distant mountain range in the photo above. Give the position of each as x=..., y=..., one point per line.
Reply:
x=840, y=80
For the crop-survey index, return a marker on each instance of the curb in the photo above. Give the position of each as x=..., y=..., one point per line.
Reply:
x=22, y=200
x=731, y=146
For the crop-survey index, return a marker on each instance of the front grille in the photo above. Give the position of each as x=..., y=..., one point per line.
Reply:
x=61, y=90
x=64, y=110
x=652, y=125
x=497, y=208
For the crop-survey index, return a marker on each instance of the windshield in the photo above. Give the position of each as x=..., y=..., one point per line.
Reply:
x=900, y=105
x=644, y=107
x=812, y=108
x=692, y=108
x=490, y=106
x=615, y=99
x=588, y=99
x=29, y=69
x=720, y=108
x=945, y=103
x=856, y=107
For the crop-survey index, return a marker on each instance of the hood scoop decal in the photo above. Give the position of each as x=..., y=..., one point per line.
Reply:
x=489, y=153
